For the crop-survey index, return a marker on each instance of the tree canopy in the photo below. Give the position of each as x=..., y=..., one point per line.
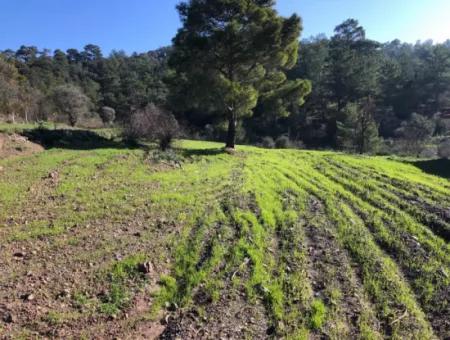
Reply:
x=230, y=56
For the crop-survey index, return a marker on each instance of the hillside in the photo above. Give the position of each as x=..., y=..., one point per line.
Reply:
x=119, y=242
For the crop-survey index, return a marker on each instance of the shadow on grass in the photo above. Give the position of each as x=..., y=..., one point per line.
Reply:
x=437, y=167
x=201, y=152
x=73, y=139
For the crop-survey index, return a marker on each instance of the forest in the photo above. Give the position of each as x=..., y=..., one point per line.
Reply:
x=345, y=92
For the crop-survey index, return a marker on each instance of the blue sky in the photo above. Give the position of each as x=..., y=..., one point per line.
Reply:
x=141, y=25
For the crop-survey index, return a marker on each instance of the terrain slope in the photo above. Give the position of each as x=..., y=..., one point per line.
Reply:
x=119, y=242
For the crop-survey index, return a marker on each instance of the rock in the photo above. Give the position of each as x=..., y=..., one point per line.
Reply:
x=64, y=293
x=8, y=318
x=146, y=267
x=1, y=169
x=53, y=175
x=271, y=330
x=19, y=255
x=27, y=297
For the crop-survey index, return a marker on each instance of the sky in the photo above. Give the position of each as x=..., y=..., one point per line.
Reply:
x=142, y=25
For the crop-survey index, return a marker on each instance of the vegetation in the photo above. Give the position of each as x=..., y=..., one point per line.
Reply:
x=230, y=55
x=155, y=124
x=393, y=96
x=113, y=227
x=308, y=242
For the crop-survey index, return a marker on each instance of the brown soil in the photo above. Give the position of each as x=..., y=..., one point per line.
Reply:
x=16, y=145
x=229, y=318
x=330, y=267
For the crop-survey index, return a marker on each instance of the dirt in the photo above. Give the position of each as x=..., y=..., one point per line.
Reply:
x=52, y=271
x=16, y=145
x=330, y=267
x=229, y=318
x=41, y=277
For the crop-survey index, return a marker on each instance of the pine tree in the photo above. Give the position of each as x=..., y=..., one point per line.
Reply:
x=231, y=54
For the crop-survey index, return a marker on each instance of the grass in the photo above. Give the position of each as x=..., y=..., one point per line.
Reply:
x=117, y=296
x=277, y=227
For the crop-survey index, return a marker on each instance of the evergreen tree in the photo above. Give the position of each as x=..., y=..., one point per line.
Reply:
x=357, y=129
x=230, y=54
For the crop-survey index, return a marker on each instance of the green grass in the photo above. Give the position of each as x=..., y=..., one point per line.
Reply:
x=118, y=294
x=242, y=224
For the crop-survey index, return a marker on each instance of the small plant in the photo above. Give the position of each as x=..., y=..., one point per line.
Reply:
x=118, y=294
x=53, y=318
x=318, y=314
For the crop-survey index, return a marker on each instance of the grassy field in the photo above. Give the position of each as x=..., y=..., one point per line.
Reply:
x=131, y=243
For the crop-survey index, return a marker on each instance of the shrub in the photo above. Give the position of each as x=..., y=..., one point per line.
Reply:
x=107, y=114
x=70, y=101
x=414, y=133
x=444, y=149
x=283, y=142
x=268, y=142
x=154, y=124
x=428, y=152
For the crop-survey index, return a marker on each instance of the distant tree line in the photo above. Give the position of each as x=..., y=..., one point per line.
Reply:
x=76, y=85
x=345, y=92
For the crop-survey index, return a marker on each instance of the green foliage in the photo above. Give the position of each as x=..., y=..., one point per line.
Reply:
x=69, y=101
x=318, y=314
x=283, y=142
x=415, y=132
x=245, y=231
x=118, y=293
x=358, y=130
x=230, y=53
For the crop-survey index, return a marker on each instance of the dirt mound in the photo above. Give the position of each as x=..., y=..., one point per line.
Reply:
x=16, y=145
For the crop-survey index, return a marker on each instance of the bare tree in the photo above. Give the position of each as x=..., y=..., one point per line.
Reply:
x=155, y=124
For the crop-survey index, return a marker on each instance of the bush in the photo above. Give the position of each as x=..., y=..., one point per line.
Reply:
x=69, y=100
x=429, y=151
x=414, y=133
x=283, y=142
x=268, y=142
x=107, y=114
x=154, y=124
x=444, y=149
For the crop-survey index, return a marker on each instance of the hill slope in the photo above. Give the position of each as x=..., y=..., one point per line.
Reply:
x=264, y=243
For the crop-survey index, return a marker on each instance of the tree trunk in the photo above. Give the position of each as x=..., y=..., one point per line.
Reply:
x=231, y=134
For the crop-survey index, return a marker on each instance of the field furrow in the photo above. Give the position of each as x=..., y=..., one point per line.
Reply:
x=382, y=279
x=197, y=243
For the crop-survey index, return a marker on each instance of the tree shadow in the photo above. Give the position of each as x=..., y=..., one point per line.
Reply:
x=437, y=167
x=201, y=152
x=74, y=139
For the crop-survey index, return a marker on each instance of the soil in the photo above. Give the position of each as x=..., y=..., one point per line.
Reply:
x=16, y=145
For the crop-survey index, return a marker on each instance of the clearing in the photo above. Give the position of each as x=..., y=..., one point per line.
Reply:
x=108, y=241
